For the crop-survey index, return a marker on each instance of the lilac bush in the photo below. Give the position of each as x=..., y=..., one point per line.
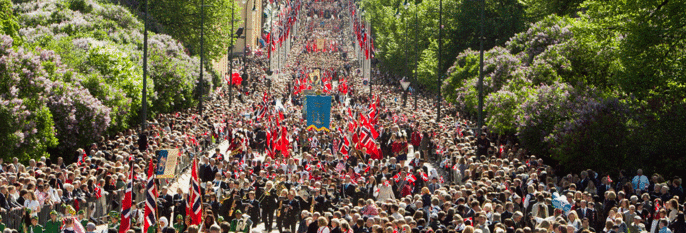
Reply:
x=549, y=31
x=102, y=46
x=596, y=130
x=26, y=124
x=543, y=108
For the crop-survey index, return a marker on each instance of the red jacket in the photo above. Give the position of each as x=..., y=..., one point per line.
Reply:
x=406, y=191
x=416, y=139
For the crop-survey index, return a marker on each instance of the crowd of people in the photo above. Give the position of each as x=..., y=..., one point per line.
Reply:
x=426, y=176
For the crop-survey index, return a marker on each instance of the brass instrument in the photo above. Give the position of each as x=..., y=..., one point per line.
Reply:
x=265, y=194
x=233, y=205
x=278, y=211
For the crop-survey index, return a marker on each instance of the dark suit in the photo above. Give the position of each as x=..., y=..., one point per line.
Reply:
x=506, y=215
x=253, y=211
x=165, y=206
x=208, y=173
x=3, y=202
x=179, y=205
x=268, y=204
x=292, y=214
x=348, y=191
x=601, y=191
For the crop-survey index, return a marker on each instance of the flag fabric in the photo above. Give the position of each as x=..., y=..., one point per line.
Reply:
x=410, y=178
x=82, y=159
x=345, y=146
x=78, y=228
x=98, y=191
x=125, y=222
x=196, y=204
x=150, y=199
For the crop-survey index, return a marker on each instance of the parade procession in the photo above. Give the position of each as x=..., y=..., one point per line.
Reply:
x=299, y=123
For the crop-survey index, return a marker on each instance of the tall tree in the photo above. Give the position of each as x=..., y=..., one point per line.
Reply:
x=181, y=20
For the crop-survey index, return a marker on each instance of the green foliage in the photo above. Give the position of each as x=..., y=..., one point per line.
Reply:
x=26, y=124
x=80, y=5
x=118, y=71
x=94, y=75
x=426, y=70
x=8, y=23
x=603, y=91
x=181, y=20
x=538, y=9
x=597, y=137
x=646, y=39
x=395, y=37
x=466, y=67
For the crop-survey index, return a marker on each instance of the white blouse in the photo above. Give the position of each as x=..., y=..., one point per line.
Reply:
x=323, y=229
x=385, y=193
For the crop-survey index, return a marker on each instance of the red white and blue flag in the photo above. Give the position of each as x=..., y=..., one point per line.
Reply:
x=196, y=204
x=125, y=222
x=150, y=199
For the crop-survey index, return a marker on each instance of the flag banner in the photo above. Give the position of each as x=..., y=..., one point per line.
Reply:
x=318, y=112
x=195, y=208
x=315, y=77
x=321, y=43
x=150, y=200
x=166, y=163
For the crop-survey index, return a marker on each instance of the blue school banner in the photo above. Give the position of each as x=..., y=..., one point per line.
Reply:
x=166, y=163
x=318, y=112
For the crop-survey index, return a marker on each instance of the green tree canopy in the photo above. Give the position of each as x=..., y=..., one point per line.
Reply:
x=181, y=20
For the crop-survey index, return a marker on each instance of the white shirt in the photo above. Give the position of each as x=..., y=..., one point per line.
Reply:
x=33, y=205
x=323, y=229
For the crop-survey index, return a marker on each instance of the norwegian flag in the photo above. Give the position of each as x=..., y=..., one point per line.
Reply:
x=195, y=210
x=345, y=146
x=442, y=180
x=396, y=177
x=150, y=199
x=125, y=222
x=340, y=167
x=373, y=112
x=365, y=136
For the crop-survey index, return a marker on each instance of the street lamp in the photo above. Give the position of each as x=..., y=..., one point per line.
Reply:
x=481, y=71
x=416, y=55
x=202, y=52
x=438, y=66
x=229, y=53
x=368, y=66
x=406, y=5
x=245, y=44
x=143, y=140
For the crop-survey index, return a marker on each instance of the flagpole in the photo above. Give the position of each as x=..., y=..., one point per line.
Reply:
x=200, y=194
x=157, y=213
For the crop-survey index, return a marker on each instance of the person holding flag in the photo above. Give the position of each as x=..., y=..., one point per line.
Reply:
x=150, y=214
x=125, y=223
x=195, y=207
